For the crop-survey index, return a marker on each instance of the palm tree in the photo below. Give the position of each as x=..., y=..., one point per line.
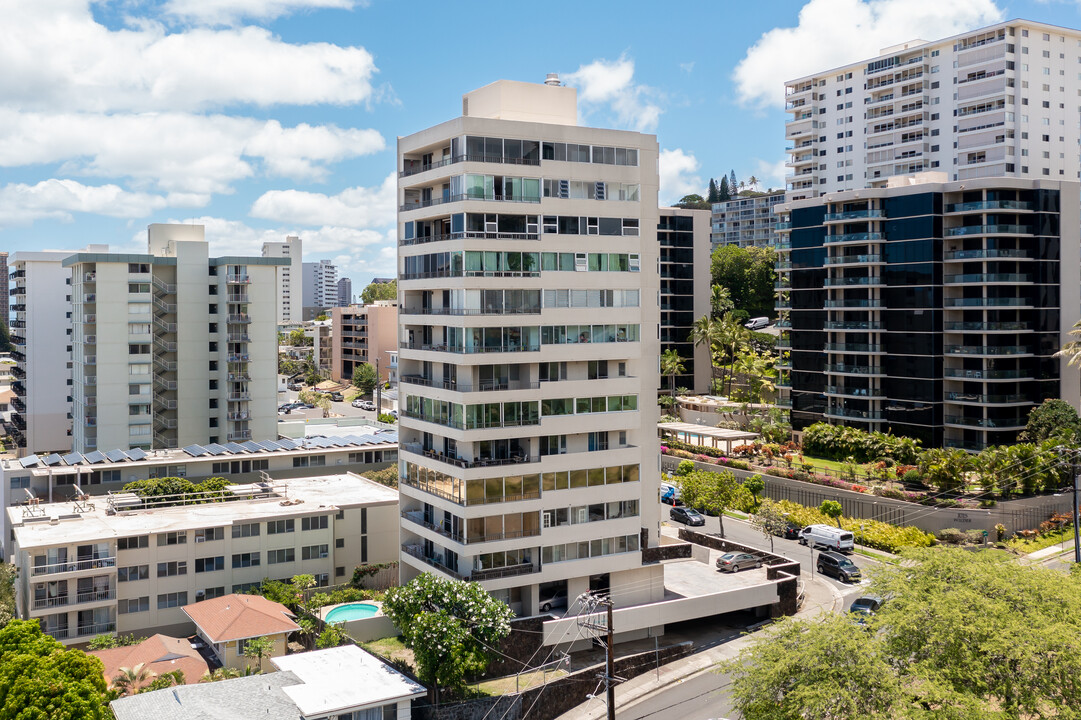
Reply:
x=720, y=300
x=742, y=185
x=672, y=365
x=222, y=673
x=732, y=336
x=753, y=182
x=1072, y=350
x=707, y=331
x=131, y=680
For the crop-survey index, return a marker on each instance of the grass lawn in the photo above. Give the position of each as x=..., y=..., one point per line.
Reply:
x=1043, y=541
x=391, y=648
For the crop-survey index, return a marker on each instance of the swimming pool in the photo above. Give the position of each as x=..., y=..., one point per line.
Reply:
x=352, y=611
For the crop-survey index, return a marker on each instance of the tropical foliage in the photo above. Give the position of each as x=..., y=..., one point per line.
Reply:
x=1053, y=418
x=379, y=291
x=156, y=488
x=962, y=635
x=449, y=625
x=748, y=273
x=838, y=442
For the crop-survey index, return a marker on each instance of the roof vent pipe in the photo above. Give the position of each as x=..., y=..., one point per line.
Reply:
x=553, y=80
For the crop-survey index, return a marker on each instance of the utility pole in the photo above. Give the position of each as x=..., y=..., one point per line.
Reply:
x=378, y=390
x=610, y=672
x=1076, y=530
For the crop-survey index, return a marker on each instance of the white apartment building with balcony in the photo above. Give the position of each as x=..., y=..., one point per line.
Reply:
x=746, y=221
x=173, y=347
x=290, y=277
x=528, y=312
x=1001, y=101
x=40, y=291
x=117, y=564
x=320, y=287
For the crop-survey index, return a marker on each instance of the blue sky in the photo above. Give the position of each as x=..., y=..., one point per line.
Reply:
x=261, y=118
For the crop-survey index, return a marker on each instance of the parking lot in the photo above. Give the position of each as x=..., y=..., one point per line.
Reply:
x=342, y=409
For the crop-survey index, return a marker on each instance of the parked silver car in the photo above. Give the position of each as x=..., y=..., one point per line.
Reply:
x=734, y=562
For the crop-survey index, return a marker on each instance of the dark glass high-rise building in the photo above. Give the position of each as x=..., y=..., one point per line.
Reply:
x=932, y=310
x=685, y=279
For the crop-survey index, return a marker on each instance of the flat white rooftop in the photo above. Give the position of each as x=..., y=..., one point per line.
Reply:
x=297, y=497
x=343, y=678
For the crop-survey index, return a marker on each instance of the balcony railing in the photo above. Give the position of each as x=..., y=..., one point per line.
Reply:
x=853, y=347
x=73, y=566
x=854, y=237
x=468, y=464
x=419, y=168
x=989, y=230
x=463, y=425
x=96, y=629
x=986, y=374
x=533, y=310
x=470, y=350
x=435, y=560
x=1010, y=423
x=989, y=205
x=443, y=200
x=855, y=392
x=853, y=369
x=469, y=234
x=852, y=325
x=490, y=386
x=987, y=350
x=239, y=435
x=96, y=596
x=987, y=326
x=844, y=281
x=859, y=303
x=237, y=279
x=988, y=278
x=987, y=302
x=986, y=399
x=853, y=259
x=853, y=215
x=855, y=414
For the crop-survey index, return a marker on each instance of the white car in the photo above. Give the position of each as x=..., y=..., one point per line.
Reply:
x=364, y=404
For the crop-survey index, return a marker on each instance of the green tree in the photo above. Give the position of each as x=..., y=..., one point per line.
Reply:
x=754, y=485
x=132, y=680
x=946, y=468
x=685, y=467
x=711, y=492
x=42, y=680
x=962, y=635
x=831, y=509
x=103, y=642
x=732, y=183
x=672, y=365
x=733, y=337
x=713, y=195
x=753, y=182
x=720, y=301
x=379, y=291
x=693, y=202
x=768, y=519
x=1052, y=418
x=365, y=378
x=708, y=331
x=222, y=673
x=332, y=636
x=749, y=275
x=165, y=680
x=7, y=593
x=5, y=336
x=723, y=192
x=450, y=626
x=258, y=648
x=297, y=338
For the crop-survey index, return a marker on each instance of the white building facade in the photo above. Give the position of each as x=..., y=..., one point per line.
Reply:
x=1001, y=101
x=173, y=347
x=290, y=277
x=41, y=320
x=528, y=312
x=746, y=221
x=320, y=285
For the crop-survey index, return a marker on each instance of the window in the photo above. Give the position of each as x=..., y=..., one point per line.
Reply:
x=133, y=573
x=275, y=557
x=133, y=605
x=138, y=268
x=172, y=538
x=133, y=543
x=243, y=560
x=279, y=527
x=209, y=594
x=339, y=543
x=318, y=522
x=314, y=552
x=171, y=600
x=210, y=564
x=246, y=530
x=339, y=571
x=209, y=534
x=173, y=568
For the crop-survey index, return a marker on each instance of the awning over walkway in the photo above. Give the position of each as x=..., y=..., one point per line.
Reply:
x=704, y=434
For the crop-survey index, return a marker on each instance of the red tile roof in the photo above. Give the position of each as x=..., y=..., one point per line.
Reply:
x=159, y=653
x=235, y=617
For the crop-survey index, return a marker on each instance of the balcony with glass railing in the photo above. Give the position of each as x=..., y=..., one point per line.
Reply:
x=996, y=229
x=854, y=215
x=987, y=278
x=849, y=414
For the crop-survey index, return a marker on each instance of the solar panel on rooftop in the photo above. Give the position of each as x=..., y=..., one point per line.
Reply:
x=195, y=450
x=116, y=455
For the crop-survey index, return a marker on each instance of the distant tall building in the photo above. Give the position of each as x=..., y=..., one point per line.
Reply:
x=683, y=236
x=363, y=334
x=5, y=305
x=172, y=347
x=41, y=318
x=290, y=277
x=345, y=292
x=1000, y=101
x=746, y=221
x=320, y=287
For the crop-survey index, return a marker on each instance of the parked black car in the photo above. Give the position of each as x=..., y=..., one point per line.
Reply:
x=837, y=565
x=791, y=531
x=866, y=605
x=687, y=516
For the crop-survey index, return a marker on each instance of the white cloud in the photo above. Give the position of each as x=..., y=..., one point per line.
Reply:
x=357, y=207
x=57, y=199
x=177, y=151
x=227, y=12
x=770, y=174
x=55, y=55
x=611, y=83
x=677, y=175
x=831, y=33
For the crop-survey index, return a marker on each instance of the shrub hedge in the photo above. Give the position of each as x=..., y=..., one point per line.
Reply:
x=875, y=533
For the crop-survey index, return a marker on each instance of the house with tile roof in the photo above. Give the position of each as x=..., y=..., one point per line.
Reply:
x=229, y=622
x=160, y=654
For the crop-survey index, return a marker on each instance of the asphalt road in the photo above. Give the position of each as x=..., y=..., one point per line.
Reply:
x=699, y=697
x=343, y=409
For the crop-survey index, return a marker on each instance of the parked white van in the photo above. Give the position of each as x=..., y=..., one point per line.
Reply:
x=826, y=536
x=757, y=323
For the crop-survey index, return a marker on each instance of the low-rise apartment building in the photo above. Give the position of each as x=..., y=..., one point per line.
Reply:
x=172, y=347
x=127, y=565
x=746, y=221
x=55, y=478
x=364, y=334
